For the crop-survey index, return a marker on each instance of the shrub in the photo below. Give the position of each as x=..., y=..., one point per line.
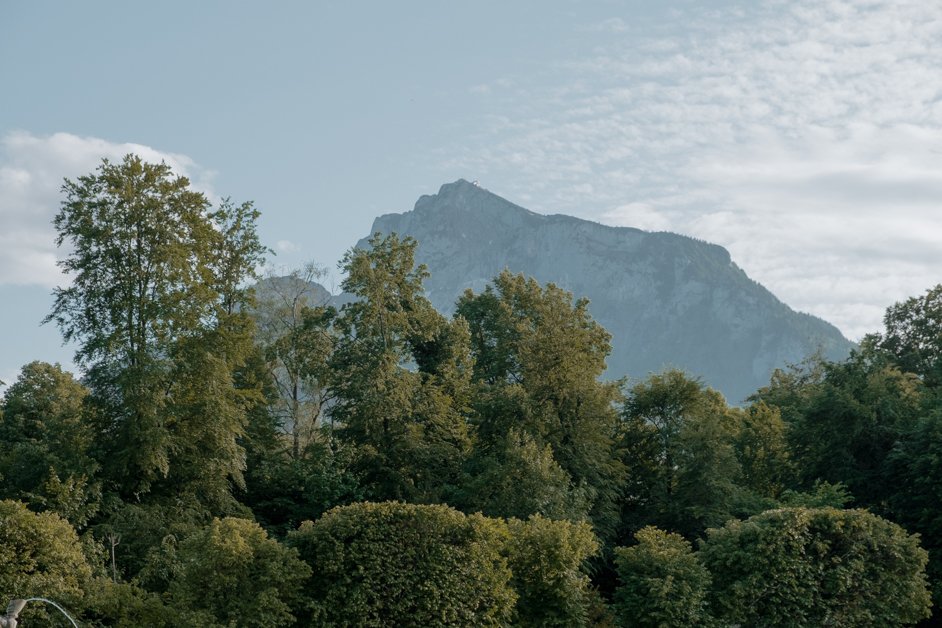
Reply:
x=816, y=567
x=382, y=564
x=662, y=582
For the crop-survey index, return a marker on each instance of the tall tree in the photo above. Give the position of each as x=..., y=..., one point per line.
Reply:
x=400, y=375
x=152, y=303
x=851, y=421
x=294, y=328
x=538, y=359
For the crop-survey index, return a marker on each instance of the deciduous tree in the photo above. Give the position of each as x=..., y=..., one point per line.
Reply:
x=406, y=565
x=400, y=374
x=538, y=357
x=156, y=278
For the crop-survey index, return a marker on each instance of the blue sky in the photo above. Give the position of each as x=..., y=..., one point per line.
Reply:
x=803, y=136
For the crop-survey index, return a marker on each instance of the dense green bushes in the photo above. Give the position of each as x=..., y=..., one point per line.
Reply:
x=396, y=564
x=785, y=567
x=410, y=565
x=40, y=556
x=816, y=567
x=662, y=582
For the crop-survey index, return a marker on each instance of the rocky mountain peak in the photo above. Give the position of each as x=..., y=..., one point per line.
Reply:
x=668, y=300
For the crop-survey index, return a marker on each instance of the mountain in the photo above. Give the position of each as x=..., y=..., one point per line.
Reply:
x=668, y=300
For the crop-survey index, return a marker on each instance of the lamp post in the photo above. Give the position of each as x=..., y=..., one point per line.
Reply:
x=15, y=606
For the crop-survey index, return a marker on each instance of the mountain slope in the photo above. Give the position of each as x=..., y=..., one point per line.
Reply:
x=668, y=300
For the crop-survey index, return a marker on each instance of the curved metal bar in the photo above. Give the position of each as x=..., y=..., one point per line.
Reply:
x=62, y=610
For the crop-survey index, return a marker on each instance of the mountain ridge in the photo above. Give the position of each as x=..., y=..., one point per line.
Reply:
x=669, y=300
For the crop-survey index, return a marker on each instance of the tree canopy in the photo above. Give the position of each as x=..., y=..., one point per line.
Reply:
x=212, y=462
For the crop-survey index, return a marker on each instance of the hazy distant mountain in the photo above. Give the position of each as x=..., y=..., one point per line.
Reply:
x=667, y=299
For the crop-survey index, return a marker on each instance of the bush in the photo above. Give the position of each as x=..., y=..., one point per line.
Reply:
x=816, y=567
x=40, y=556
x=125, y=605
x=233, y=571
x=382, y=564
x=662, y=582
x=546, y=558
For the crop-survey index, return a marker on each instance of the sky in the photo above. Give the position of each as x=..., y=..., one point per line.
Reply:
x=804, y=136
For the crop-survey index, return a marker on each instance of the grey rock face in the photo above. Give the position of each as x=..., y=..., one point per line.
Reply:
x=668, y=300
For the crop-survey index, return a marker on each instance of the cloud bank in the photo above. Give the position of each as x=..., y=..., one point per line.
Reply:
x=32, y=169
x=806, y=137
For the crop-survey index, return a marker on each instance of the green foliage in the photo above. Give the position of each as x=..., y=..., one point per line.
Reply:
x=851, y=422
x=915, y=469
x=125, y=605
x=40, y=556
x=283, y=491
x=409, y=426
x=202, y=402
x=144, y=528
x=913, y=335
x=547, y=559
x=153, y=306
x=538, y=358
x=821, y=495
x=44, y=444
x=680, y=442
x=135, y=230
x=816, y=567
x=763, y=451
x=662, y=584
x=405, y=565
x=296, y=338
x=235, y=573
x=518, y=478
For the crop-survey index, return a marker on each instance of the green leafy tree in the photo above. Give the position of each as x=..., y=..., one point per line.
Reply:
x=394, y=564
x=519, y=478
x=914, y=468
x=763, y=451
x=283, y=491
x=680, y=442
x=41, y=557
x=538, y=357
x=816, y=567
x=548, y=560
x=661, y=582
x=851, y=422
x=233, y=572
x=408, y=424
x=295, y=331
x=296, y=467
x=126, y=605
x=790, y=389
x=913, y=335
x=45, y=442
x=156, y=280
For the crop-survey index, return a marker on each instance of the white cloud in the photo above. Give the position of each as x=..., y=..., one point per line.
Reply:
x=803, y=136
x=32, y=169
x=286, y=246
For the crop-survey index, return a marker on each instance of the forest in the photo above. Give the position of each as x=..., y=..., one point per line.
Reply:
x=239, y=451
